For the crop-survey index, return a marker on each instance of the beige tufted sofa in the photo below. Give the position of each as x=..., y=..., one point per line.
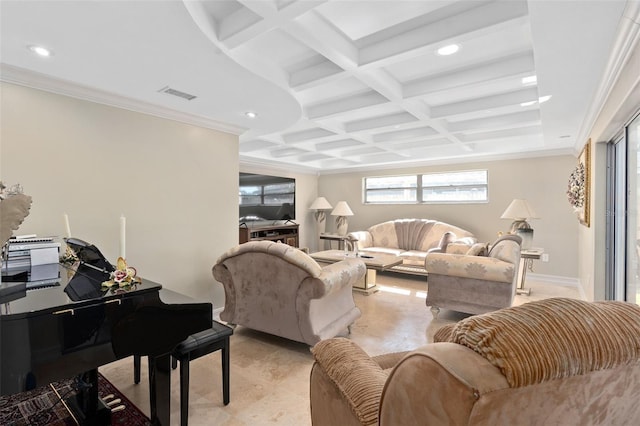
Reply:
x=474, y=282
x=278, y=289
x=410, y=239
x=551, y=362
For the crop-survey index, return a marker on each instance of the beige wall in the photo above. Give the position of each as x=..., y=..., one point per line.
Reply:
x=542, y=181
x=175, y=183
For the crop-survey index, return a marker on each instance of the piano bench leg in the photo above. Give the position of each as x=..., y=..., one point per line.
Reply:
x=195, y=346
x=136, y=367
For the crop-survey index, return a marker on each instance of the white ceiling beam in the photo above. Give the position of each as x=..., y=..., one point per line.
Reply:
x=380, y=121
x=501, y=134
x=510, y=66
x=314, y=31
x=270, y=18
x=417, y=132
x=452, y=27
x=487, y=102
x=313, y=75
x=518, y=119
x=304, y=135
x=341, y=105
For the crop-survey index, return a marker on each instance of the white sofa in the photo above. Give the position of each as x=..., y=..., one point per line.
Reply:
x=410, y=239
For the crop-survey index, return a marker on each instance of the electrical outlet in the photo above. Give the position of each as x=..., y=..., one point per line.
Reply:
x=545, y=257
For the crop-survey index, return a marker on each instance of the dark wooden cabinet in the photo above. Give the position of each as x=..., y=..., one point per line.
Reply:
x=287, y=234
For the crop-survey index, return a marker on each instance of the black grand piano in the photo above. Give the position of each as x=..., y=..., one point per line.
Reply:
x=67, y=327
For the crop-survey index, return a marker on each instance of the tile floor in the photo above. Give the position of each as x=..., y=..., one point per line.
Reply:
x=270, y=375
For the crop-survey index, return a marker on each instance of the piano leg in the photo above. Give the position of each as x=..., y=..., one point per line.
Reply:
x=86, y=407
x=160, y=389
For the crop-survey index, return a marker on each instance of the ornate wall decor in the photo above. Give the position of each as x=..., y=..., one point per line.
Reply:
x=579, y=187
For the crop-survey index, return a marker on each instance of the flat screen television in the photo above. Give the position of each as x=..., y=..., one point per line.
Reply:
x=265, y=198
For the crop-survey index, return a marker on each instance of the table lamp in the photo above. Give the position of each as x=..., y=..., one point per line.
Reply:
x=519, y=210
x=320, y=205
x=342, y=210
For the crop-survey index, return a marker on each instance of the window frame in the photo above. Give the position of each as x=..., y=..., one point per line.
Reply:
x=419, y=189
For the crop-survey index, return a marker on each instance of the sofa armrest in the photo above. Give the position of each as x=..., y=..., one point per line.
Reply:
x=358, y=379
x=465, y=266
x=337, y=276
x=440, y=383
x=364, y=238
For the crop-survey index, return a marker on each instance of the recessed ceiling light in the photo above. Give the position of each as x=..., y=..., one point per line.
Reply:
x=251, y=114
x=532, y=79
x=40, y=51
x=448, y=50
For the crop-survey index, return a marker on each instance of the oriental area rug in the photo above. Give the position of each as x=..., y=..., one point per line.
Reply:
x=43, y=406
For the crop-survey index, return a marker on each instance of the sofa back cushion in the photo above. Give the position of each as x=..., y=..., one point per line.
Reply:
x=413, y=234
x=552, y=338
x=283, y=251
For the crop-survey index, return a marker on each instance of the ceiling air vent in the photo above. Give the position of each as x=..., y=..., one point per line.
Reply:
x=177, y=93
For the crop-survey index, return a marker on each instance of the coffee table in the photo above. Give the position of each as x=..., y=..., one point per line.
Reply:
x=374, y=262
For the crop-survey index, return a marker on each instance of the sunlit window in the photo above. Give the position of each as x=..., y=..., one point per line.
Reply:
x=449, y=187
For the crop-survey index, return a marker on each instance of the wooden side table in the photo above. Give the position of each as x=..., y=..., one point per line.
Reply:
x=527, y=257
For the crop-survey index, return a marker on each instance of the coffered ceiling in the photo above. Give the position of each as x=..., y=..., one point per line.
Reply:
x=335, y=85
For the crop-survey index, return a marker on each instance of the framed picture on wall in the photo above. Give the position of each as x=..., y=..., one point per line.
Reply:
x=579, y=189
x=585, y=160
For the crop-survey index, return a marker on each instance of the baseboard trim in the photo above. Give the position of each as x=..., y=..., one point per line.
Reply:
x=555, y=280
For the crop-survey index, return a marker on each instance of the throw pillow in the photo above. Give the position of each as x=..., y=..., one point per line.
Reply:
x=478, y=249
x=446, y=238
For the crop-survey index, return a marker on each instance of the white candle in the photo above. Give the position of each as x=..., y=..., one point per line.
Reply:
x=123, y=230
x=67, y=228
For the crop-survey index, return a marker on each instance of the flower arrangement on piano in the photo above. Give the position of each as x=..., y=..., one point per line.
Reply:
x=124, y=276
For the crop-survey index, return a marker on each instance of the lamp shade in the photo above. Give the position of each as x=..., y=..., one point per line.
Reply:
x=320, y=203
x=342, y=209
x=519, y=209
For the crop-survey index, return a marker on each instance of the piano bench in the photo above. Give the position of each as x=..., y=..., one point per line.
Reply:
x=193, y=347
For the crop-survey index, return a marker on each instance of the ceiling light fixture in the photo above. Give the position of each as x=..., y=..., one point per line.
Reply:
x=448, y=50
x=40, y=51
x=251, y=114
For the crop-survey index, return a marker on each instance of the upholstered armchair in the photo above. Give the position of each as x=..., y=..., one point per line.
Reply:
x=550, y=362
x=278, y=289
x=472, y=282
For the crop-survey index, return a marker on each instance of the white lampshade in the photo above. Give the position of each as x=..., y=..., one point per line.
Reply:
x=320, y=203
x=519, y=209
x=342, y=209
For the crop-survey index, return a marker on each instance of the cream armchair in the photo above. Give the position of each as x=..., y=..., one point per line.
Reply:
x=278, y=289
x=474, y=284
x=550, y=362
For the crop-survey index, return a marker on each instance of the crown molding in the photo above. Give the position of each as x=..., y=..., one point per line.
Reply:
x=35, y=80
x=626, y=39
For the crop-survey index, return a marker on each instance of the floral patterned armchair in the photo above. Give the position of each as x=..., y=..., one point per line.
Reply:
x=278, y=289
x=474, y=284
